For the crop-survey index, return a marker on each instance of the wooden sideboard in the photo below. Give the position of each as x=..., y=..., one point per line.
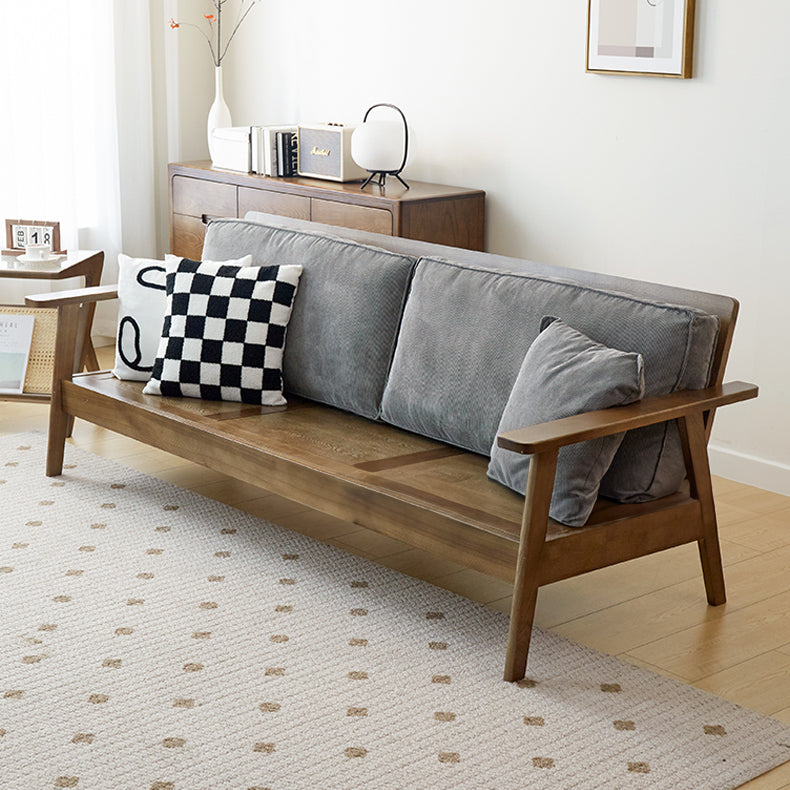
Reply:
x=429, y=212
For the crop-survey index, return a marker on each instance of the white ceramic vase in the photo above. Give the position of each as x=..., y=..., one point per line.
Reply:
x=218, y=114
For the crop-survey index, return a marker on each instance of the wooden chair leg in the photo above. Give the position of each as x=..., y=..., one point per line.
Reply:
x=60, y=423
x=693, y=436
x=91, y=360
x=540, y=485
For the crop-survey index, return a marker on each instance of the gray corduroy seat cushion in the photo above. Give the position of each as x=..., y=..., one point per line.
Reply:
x=466, y=330
x=346, y=314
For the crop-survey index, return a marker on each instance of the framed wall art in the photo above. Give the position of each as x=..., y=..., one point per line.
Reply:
x=648, y=37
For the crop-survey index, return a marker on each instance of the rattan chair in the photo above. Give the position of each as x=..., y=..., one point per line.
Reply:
x=57, y=350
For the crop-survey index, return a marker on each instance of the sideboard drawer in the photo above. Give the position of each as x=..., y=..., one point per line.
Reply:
x=270, y=202
x=443, y=214
x=331, y=212
x=186, y=236
x=195, y=197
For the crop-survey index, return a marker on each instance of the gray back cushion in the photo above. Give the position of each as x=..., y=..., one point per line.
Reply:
x=465, y=333
x=346, y=314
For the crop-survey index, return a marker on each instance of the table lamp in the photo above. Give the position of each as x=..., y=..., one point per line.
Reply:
x=381, y=147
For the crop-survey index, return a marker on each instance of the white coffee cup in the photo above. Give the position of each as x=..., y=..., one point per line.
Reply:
x=37, y=252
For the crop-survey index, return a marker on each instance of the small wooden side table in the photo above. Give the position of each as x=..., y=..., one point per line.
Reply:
x=80, y=263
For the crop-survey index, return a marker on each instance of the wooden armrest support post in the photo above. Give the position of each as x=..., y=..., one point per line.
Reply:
x=691, y=409
x=695, y=450
x=540, y=482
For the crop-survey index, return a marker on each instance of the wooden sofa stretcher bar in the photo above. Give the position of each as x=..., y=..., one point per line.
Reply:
x=540, y=552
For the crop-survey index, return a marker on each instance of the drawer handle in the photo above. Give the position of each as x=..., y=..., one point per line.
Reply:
x=206, y=218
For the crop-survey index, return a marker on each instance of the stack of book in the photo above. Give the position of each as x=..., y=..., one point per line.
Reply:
x=275, y=150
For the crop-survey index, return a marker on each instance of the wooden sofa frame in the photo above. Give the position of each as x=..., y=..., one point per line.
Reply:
x=423, y=492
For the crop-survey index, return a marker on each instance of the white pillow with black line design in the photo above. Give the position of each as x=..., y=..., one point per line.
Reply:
x=142, y=302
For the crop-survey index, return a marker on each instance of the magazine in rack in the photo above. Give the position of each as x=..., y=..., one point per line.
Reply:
x=16, y=334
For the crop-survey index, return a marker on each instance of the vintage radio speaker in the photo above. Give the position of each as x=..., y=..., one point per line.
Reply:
x=325, y=152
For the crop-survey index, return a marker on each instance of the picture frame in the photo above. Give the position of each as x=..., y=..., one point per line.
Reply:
x=21, y=232
x=640, y=37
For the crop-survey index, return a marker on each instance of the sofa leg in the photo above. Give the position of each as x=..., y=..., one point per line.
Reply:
x=540, y=485
x=692, y=433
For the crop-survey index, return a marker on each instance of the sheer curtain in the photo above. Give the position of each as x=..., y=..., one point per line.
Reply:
x=76, y=137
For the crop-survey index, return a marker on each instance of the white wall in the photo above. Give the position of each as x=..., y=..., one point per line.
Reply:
x=676, y=181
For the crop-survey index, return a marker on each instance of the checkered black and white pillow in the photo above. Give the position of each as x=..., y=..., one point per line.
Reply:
x=224, y=332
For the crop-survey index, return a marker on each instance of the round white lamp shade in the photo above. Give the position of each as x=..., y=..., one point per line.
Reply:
x=378, y=146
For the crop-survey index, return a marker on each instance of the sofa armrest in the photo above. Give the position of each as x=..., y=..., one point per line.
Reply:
x=594, y=424
x=97, y=293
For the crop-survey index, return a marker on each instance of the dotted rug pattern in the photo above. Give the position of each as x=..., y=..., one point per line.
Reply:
x=152, y=639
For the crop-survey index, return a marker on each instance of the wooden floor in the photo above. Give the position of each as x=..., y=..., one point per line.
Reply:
x=651, y=611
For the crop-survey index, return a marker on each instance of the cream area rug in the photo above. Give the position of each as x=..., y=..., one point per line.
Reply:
x=152, y=639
